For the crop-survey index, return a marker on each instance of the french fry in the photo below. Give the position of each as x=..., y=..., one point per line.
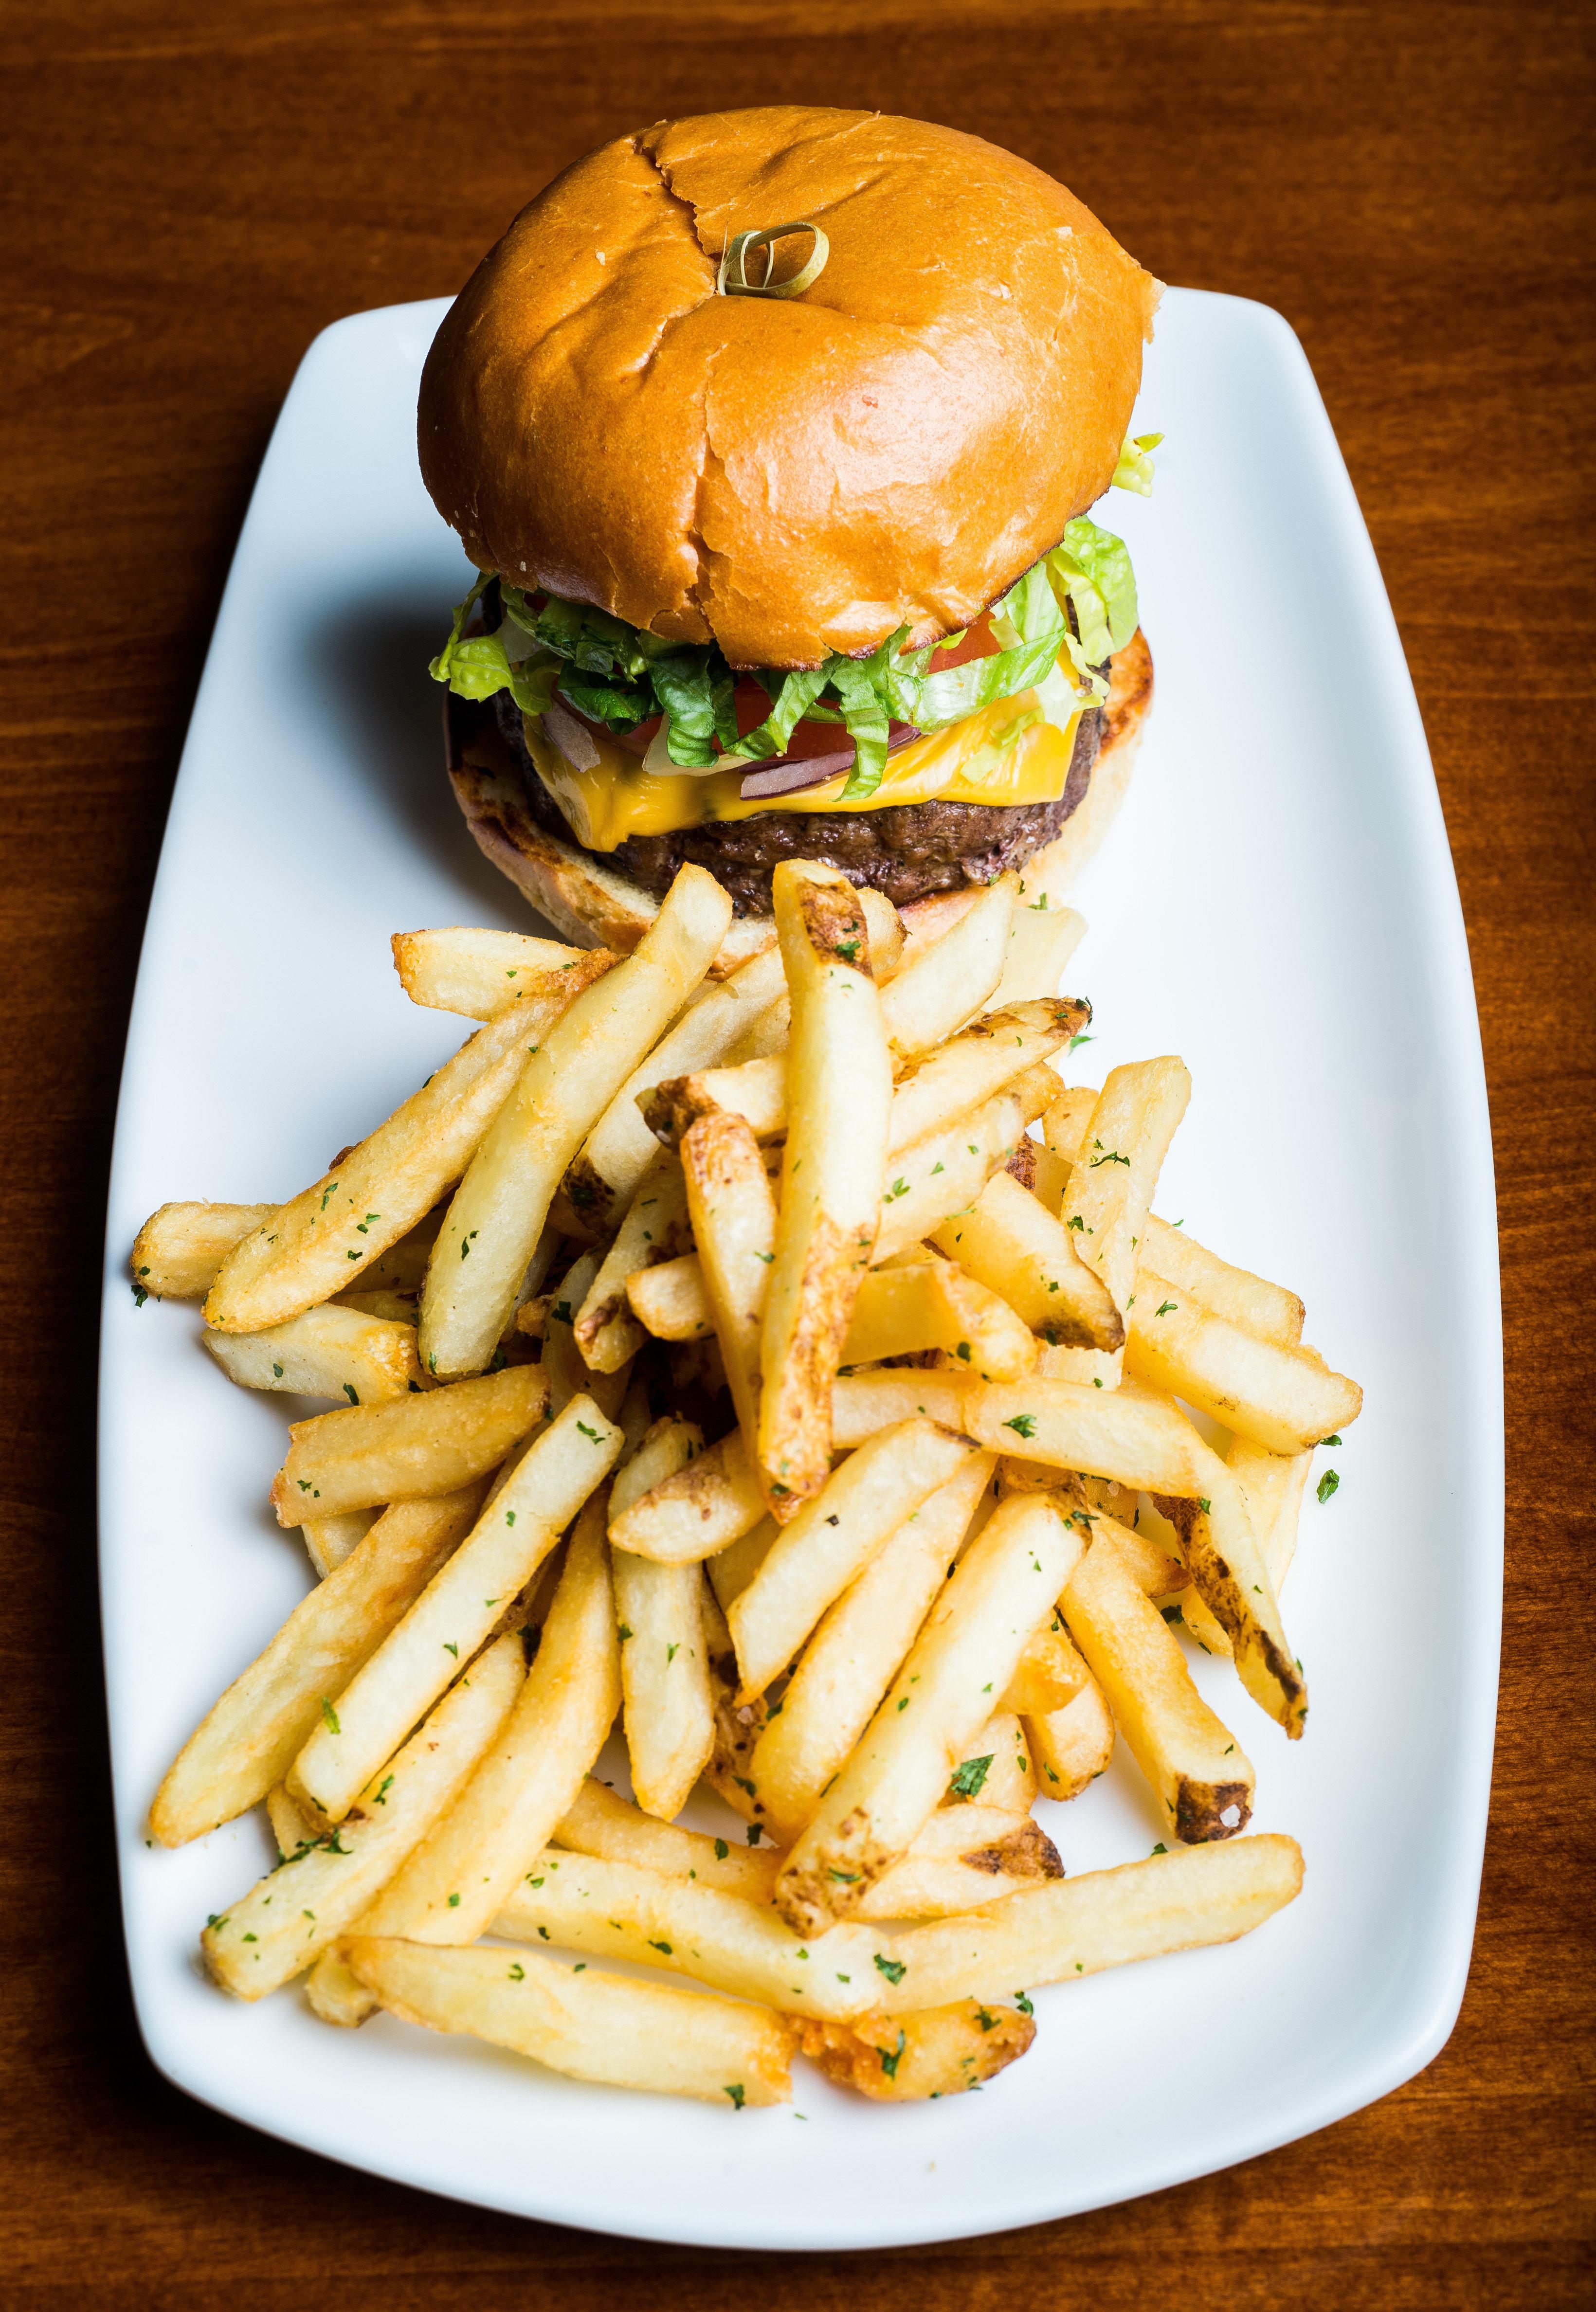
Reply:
x=1193, y=1614
x=328, y=1541
x=919, y=2056
x=1110, y=1187
x=888, y=935
x=1064, y=1126
x=599, y=1823
x=569, y=1374
x=1088, y=1368
x=1050, y=1674
x=592, y=2026
x=737, y=1725
x=289, y=1918
x=730, y=1569
x=965, y=1858
x=416, y=1447
x=179, y=1248
x=1042, y=938
x=1144, y=1441
x=455, y=1880
x=997, y=1766
x=1192, y=1897
x=1012, y=1245
x=401, y=1269
x=290, y=1825
x=839, y=1096
x=973, y=1067
x=1192, y=1762
x=933, y=1094
x=1073, y=1746
x=762, y=1037
x=337, y=1994
x=477, y=973
x=321, y=1242
x=863, y=1403
x=853, y=1656
x=1285, y=1400
x=1144, y=1556
x=252, y=1737
x=670, y=1300
x=1004, y=1584
x=946, y=1172
x=393, y=1307
x=1267, y=1311
x=703, y=1509
x=324, y=1351
x=615, y=1910
x=934, y=1305
x=563, y=1364
x=603, y=1177
x=1272, y=1485
x=733, y=1218
x=664, y=1671
x=754, y=1090
x=831, y=1540
x=667, y=1446
x=654, y=1228
x=514, y=1533
x=947, y=979
x=498, y=1211
x=665, y=1665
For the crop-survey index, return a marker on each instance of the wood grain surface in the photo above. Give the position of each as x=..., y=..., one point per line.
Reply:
x=191, y=193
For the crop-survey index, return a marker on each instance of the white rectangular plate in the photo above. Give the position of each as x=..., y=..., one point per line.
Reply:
x=1277, y=904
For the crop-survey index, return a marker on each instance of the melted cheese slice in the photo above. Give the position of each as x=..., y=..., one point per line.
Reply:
x=1009, y=753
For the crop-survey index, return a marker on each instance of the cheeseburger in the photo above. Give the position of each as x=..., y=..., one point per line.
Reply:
x=772, y=435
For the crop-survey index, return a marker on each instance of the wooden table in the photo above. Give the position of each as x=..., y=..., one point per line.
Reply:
x=194, y=192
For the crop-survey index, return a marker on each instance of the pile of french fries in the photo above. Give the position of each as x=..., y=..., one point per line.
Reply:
x=731, y=1355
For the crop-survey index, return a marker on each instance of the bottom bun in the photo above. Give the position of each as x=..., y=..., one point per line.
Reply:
x=595, y=904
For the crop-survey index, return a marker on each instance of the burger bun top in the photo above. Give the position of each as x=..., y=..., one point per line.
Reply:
x=787, y=478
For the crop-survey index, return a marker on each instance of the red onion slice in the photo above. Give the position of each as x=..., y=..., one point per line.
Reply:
x=795, y=775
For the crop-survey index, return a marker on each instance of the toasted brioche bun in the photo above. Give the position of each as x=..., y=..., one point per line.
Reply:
x=891, y=448
x=596, y=905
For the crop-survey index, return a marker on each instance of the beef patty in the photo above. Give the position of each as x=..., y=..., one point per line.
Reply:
x=905, y=851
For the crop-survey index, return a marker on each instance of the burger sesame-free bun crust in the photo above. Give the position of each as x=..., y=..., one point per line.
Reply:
x=596, y=905
x=785, y=478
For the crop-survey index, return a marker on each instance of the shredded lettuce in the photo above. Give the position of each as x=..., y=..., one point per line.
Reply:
x=1135, y=470
x=620, y=676
x=1092, y=568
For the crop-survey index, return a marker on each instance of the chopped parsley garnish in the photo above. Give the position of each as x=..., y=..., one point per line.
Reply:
x=968, y=1778
x=1328, y=1484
